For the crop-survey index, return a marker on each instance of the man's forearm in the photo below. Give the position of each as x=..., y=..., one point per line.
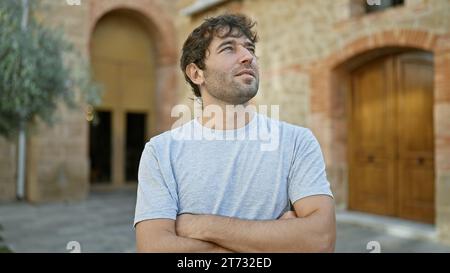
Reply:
x=308, y=234
x=172, y=243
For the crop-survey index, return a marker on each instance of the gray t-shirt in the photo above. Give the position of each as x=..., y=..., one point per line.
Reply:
x=253, y=172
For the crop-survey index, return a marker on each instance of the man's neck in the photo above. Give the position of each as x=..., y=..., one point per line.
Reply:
x=220, y=116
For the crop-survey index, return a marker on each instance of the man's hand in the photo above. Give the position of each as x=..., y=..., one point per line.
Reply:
x=290, y=214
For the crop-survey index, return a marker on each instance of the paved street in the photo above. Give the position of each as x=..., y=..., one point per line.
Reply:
x=103, y=223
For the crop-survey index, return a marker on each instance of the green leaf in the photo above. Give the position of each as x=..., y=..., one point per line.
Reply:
x=39, y=68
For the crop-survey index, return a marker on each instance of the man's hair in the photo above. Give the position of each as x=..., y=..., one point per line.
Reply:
x=196, y=45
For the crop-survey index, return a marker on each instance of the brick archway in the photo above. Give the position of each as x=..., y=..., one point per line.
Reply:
x=328, y=104
x=161, y=26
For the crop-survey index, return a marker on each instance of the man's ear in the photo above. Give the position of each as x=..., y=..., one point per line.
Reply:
x=195, y=74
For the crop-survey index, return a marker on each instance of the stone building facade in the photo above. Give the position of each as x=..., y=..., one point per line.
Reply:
x=319, y=61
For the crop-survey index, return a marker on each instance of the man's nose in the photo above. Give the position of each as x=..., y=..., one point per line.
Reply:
x=246, y=56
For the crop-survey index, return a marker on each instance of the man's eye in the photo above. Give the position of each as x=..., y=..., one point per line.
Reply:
x=227, y=48
x=251, y=49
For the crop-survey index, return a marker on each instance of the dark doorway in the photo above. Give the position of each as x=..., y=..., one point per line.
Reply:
x=379, y=5
x=135, y=141
x=100, y=147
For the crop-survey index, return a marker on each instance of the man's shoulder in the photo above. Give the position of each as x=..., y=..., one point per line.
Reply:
x=166, y=137
x=288, y=129
x=298, y=130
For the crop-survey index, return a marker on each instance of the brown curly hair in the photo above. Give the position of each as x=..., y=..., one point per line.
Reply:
x=196, y=45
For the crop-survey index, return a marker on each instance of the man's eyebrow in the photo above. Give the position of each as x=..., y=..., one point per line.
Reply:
x=226, y=42
x=231, y=42
x=248, y=43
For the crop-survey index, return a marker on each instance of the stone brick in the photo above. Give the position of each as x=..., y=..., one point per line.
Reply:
x=8, y=163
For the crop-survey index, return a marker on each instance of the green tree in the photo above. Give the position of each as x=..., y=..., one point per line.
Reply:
x=39, y=69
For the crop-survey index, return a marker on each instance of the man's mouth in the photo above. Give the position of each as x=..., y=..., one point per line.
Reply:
x=246, y=72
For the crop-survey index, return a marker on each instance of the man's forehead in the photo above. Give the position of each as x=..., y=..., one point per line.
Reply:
x=219, y=40
x=225, y=33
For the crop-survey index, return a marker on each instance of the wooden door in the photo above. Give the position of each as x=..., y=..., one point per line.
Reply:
x=391, y=170
x=416, y=137
x=372, y=168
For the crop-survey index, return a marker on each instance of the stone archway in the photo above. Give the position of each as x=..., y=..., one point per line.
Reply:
x=160, y=24
x=151, y=92
x=328, y=107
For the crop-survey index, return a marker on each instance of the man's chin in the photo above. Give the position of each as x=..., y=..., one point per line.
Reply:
x=245, y=96
x=250, y=92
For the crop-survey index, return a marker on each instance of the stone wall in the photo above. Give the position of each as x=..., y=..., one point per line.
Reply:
x=302, y=43
x=8, y=163
x=57, y=156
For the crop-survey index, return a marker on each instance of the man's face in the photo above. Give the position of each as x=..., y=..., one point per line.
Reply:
x=231, y=69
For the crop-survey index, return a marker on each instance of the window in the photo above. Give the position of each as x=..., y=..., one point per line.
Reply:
x=379, y=5
x=200, y=6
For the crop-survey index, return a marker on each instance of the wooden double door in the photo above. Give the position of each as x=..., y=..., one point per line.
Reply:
x=391, y=138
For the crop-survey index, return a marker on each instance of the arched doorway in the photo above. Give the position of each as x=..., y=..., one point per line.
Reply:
x=331, y=84
x=123, y=60
x=391, y=136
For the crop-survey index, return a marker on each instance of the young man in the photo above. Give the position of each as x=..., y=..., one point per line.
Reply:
x=213, y=194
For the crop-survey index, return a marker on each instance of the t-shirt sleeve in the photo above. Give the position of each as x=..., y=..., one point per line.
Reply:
x=307, y=175
x=155, y=198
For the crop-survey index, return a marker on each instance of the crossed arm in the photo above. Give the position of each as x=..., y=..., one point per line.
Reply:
x=311, y=229
x=159, y=236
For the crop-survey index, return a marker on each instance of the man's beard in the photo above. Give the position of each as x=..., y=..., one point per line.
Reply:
x=233, y=91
